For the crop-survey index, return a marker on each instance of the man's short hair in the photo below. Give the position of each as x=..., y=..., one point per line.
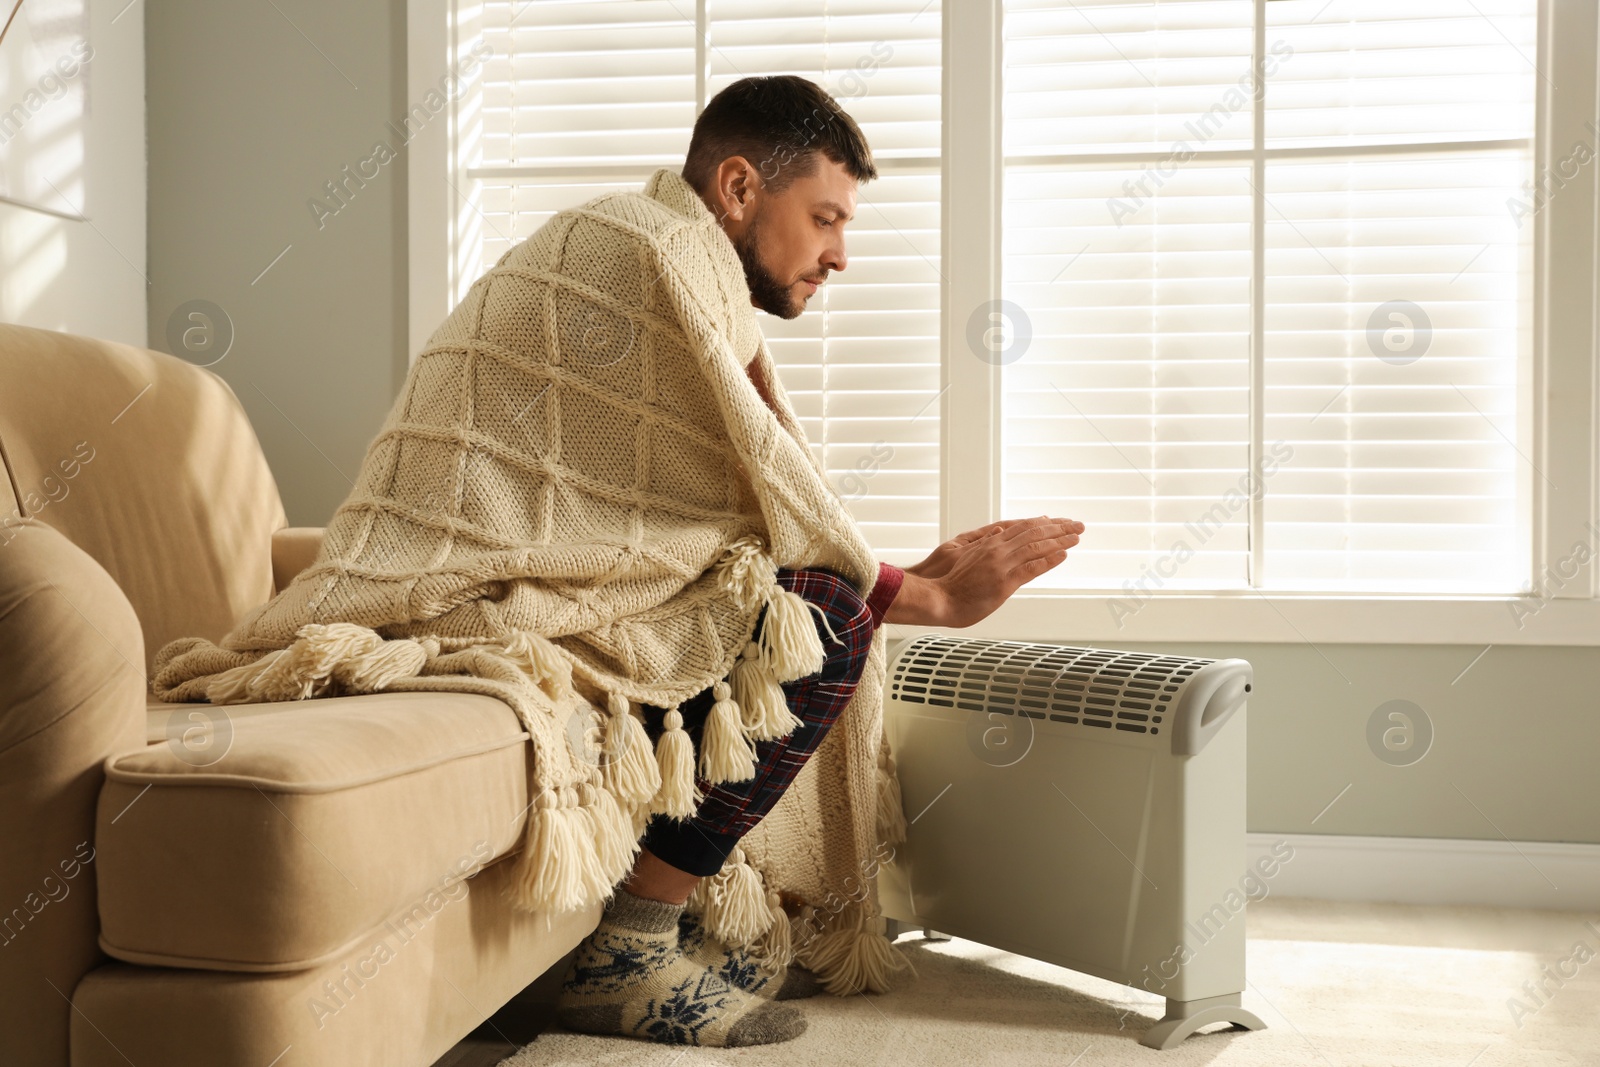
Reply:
x=779, y=123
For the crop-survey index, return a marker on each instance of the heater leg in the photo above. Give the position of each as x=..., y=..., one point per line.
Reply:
x=893, y=928
x=1184, y=1017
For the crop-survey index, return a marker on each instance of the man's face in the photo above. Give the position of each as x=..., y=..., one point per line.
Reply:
x=791, y=240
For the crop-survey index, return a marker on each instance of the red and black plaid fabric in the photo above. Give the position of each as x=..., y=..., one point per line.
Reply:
x=700, y=843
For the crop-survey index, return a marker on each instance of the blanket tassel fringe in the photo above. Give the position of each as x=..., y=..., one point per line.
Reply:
x=323, y=658
x=733, y=903
x=539, y=659
x=789, y=639
x=679, y=794
x=726, y=754
x=855, y=955
x=631, y=768
x=575, y=849
x=765, y=712
x=776, y=946
x=611, y=828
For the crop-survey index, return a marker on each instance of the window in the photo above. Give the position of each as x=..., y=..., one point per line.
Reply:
x=1277, y=323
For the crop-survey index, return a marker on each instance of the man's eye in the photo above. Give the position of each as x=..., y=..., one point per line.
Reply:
x=824, y=222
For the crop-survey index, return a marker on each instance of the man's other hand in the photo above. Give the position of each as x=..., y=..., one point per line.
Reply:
x=965, y=579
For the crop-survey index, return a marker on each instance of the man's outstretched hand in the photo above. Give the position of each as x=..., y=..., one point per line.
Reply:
x=969, y=576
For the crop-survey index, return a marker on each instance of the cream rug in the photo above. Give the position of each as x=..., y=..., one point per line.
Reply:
x=1339, y=985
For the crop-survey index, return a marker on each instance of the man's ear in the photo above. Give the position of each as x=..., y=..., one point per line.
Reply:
x=736, y=189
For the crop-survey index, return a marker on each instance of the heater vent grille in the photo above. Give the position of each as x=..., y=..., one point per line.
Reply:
x=1094, y=688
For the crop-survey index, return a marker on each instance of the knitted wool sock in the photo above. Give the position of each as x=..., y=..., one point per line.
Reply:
x=742, y=969
x=631, y=978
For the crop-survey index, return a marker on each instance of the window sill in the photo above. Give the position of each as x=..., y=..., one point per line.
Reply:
x=1089, y=619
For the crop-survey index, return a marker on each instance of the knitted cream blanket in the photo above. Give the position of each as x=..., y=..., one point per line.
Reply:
x=578, y=504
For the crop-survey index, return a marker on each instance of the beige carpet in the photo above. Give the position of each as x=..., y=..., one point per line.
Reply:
x=1339, y=985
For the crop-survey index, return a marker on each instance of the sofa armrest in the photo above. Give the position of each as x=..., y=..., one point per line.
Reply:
x=294, y=548
x=72, y=694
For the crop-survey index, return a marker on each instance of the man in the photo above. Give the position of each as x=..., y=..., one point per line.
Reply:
x=777, y=163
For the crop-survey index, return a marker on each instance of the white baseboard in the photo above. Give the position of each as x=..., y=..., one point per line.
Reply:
x=1433, y=870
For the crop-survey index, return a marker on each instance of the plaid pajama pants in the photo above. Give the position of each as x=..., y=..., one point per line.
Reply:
x=700, y=843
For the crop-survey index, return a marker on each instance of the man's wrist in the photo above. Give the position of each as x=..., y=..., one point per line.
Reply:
x=920, y=602
x=884, y=592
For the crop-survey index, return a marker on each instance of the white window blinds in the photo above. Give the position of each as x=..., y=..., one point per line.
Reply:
x=1278, y=344
x=582, y=97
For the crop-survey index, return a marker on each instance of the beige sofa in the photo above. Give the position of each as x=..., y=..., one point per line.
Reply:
x=308, y=882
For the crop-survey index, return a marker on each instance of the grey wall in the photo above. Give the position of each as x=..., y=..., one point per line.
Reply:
x=246, y=122
x=252, y=108
x=1514, y=747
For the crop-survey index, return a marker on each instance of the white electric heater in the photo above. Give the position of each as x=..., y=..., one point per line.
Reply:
x=1080, y=806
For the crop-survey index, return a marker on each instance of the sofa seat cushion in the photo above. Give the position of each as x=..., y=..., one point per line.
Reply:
x=270, y=837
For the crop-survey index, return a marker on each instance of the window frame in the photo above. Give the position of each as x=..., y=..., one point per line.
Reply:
x=1563, y=399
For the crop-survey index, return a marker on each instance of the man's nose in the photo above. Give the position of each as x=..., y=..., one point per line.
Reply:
x=833, y=256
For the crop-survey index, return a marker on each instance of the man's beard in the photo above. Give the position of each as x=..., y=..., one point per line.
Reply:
x=770, y=295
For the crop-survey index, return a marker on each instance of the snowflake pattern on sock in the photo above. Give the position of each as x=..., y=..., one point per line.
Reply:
x=678, y=1018
x=738, y=968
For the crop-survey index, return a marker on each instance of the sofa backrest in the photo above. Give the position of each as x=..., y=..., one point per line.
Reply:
x=150, y=465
